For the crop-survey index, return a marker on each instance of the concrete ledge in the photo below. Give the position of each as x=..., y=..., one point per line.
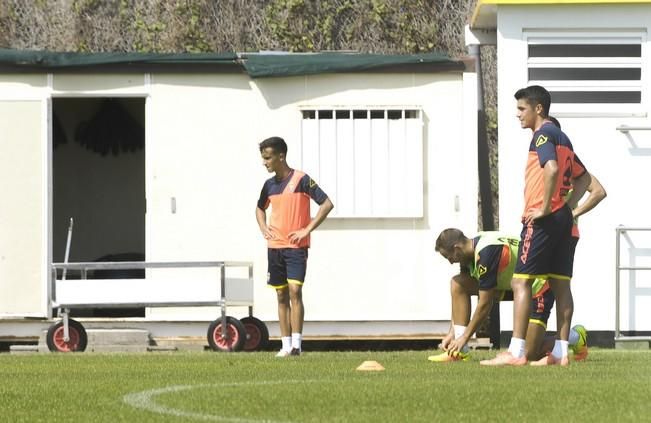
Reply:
x=632, y=344
x=109, y=340
x=23, y=349
x=29, y=330
x=117, y=340
x=181, y=343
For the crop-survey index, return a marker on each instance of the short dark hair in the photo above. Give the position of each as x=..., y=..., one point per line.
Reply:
x=448, y=238
x=276, y=143
x=535, y=95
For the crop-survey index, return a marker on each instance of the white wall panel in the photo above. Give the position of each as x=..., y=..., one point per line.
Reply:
x=381, y=166
x=327, y=156
x=616, y=158
x=345, y=194
x=399, y=190
x=311, y=148
x=363, y=168
x=414, y=154
x=23, y=233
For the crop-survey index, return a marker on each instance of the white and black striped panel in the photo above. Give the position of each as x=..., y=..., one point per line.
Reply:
x=597, y=73
x=585, y=50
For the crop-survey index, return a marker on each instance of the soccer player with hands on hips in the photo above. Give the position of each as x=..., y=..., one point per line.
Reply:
x=546, y=248
x=287, y=233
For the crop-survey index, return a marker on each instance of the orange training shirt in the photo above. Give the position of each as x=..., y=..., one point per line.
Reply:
x=550, y=143
x=290, y=206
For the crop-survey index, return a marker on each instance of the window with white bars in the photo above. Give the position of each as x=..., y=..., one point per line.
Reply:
x=587, y=72
x=368, y=160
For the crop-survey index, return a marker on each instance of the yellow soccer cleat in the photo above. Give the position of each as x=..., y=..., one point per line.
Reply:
x=580, y=349
x=444, y=357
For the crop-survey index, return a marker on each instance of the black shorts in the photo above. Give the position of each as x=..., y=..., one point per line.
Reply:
x=286, y=265
x=547, y=247
x=541, y=306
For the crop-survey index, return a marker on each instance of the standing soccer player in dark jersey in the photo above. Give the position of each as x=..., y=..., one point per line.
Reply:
x=288, y=236
x=545, y=250
x=596, y=193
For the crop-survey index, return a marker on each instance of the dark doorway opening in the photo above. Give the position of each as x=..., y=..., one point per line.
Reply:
x=98, y=166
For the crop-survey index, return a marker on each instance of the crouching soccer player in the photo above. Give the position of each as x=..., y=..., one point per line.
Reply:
x=486, y=268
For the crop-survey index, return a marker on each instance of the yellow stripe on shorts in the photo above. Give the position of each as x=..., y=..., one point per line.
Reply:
x=528, y=276
x=559, y=277
x=538, y=322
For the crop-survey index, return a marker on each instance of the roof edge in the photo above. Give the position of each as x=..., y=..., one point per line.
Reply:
x=257, y=65
x=488, y=7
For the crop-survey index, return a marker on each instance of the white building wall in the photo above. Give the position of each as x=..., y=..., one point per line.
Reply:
x=621, y=163
x=359, y=269
x=24, y=216
x=204, y=174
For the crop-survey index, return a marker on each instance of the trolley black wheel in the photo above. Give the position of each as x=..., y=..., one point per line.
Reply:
x=76, y=333
x=257, y=334
x=235, y=331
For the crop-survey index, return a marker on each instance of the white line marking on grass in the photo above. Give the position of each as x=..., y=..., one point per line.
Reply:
x=145, y=400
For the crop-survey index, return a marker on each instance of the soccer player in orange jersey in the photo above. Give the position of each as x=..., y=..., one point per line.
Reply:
x=546, y=242
x=288, y=236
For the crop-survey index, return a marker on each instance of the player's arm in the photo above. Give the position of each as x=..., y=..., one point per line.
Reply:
x=489, y=260
x=324, y=209
x=484, y=304
x=261, y=214
x=596, y=193
x=261, y=217
x=445, y=342
x=581, y=180
x=550, y=174
x=579, y=188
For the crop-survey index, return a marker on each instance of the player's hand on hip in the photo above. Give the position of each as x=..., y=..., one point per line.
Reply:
x=297, y=236
x=268, y=234
x=533, y=214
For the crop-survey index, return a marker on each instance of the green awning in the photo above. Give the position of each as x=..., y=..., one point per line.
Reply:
x=68, y=60
x=263, y=65
x=257, y=65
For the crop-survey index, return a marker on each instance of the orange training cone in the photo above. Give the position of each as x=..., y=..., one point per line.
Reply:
x=370, y=366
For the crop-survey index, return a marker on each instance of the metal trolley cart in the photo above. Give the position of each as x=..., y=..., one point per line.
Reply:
x=158, y=289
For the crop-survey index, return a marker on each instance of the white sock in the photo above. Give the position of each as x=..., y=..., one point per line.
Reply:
x=516, y=348
x=458, y=332
x=296, y=340
x=287, y=343
x=574, y=337
x=560, y=349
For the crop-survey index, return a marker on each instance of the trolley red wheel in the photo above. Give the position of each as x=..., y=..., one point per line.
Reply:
x=235, y=335
x=76, y=333
x=257, y=334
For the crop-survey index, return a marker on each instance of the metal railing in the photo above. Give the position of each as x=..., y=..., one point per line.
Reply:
x=625, y=128
x=622, y=232
x=84, y=267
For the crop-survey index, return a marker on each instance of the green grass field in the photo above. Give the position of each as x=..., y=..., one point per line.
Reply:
x=317, y=387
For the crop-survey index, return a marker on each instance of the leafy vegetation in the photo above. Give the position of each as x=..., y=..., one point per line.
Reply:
x=175, y=26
